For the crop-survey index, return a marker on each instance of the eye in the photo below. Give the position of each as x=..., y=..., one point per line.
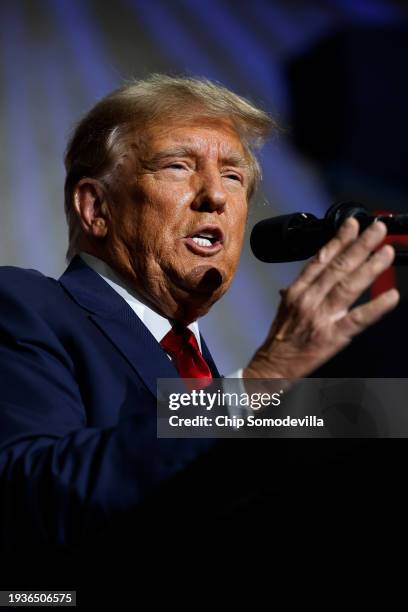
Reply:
x=177, y=166
x=233, y=176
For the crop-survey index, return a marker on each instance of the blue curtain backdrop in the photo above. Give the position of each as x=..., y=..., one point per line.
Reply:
x=58, y=57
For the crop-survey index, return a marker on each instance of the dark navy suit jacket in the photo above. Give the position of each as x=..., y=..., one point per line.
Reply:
x=78, y=442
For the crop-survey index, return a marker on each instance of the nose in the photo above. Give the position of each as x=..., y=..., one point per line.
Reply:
x=210, y=195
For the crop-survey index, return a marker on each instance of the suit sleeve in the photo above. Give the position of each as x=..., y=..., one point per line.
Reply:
x=61, y=481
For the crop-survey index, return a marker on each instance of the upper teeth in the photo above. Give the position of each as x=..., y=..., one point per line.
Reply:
x=202, y=241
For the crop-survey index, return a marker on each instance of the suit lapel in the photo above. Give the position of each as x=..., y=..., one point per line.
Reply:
x=140, y=348
x=114, y=317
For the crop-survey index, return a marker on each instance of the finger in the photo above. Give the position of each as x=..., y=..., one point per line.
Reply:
x=346, y=291
x=361, y=317
x=342, y=266
x=345, y=236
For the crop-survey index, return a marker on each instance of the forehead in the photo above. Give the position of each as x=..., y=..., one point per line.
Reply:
x=199, y=136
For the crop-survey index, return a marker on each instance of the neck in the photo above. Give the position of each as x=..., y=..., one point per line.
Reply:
x=164, y=298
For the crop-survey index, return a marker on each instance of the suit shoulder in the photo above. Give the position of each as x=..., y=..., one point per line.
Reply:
x=25, y=282
x=32, y=306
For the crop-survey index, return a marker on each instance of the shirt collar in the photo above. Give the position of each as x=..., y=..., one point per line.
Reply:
x=155, y=322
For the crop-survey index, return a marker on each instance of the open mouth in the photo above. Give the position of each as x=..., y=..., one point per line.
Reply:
x=206, y=240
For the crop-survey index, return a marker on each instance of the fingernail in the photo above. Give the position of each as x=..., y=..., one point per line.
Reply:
x=392, y=296
x=349, y=222
x=386, y=250
x=379, y=226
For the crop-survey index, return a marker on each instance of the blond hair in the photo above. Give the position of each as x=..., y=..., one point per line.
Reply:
x=98, y=140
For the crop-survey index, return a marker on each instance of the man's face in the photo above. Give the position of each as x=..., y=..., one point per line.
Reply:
x=179, y=214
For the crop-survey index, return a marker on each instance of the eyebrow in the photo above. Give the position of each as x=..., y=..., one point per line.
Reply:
x=233, y=159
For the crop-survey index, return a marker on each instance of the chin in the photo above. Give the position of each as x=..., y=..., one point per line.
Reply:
x=197, y=291
x=205, y=279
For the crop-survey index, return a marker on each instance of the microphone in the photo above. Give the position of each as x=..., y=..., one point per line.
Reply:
x=298, y=236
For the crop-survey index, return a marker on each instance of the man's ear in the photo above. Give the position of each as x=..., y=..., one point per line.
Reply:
x=91, y=206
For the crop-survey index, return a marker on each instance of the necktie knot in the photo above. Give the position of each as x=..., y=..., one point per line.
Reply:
x=182, y=346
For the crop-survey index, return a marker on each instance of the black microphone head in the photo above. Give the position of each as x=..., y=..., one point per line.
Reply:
x=286, y=238
x=340, y=211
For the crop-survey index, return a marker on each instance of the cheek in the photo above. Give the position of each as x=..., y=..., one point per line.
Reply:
x=238, y=224
x=166, y=211
x=157, y=233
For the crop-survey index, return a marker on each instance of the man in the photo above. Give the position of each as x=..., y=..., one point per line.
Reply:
x=159, y=178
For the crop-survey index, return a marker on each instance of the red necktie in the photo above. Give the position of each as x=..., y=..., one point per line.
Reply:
x=181, y=344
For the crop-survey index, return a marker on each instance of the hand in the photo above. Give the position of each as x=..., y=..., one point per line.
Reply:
x=314, y=319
